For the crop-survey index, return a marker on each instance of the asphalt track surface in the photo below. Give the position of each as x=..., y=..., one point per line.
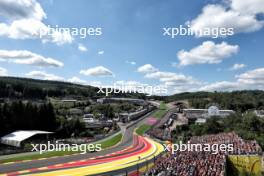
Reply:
x=132, y=152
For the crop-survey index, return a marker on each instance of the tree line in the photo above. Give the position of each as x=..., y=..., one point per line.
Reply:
x=20, y=115
x=239, y=101
x=26, y=116
x=27, y=88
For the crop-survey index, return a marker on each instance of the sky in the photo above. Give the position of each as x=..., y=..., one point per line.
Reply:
x=128, y=43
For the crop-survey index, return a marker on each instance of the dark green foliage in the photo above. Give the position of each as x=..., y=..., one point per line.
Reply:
x=70, y=128
x=106, y=109
x=26, y=88
x=248, y=126
x=11, y=87
x=26, y=116
x=239, y=101
x=109, y=110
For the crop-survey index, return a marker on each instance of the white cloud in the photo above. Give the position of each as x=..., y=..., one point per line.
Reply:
x=59, y=38
x=147, y=68
x=28, y=58
x=252, y=79
x=100, y=52
x=136, y=86
x=208, y=52
x=76, y=80
x=131, y=62
x=236, y=14
x=24, y=21
x=34, y=29
x=82, y=48
x=19, y=9
x=172, y=79
x=96, y=83
x=159, y=75
x=97, y=71
x=237, y=66
x=22, y=29
x=3, y=72
x=129, y=83
x=45, y=76
x=174, y=82
x=220, y=86
x=177, y=82
x=248, y=7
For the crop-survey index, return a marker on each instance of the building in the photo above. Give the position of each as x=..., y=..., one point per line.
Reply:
x=200, y=121
x=259, y=113
x=17, y=138
x=120, y=100
x=206, y=113
x=75, y=112
x=126, y=117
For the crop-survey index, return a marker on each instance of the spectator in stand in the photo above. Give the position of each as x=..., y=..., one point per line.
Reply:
x=193, y=163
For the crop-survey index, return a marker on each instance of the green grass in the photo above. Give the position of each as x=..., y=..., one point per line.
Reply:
x=161, y=112
x=142, y=129
x=157, y=114
x=104, y=144
x=111, y=142
x=163, y=106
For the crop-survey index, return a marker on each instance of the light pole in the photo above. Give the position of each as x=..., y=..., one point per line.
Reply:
x=138, y=165
x=146, y=165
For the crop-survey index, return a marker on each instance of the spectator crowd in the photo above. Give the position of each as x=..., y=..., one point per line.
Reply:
x=202, y=163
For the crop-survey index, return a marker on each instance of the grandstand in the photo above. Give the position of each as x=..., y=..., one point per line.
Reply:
x=206, y=113
x=119, y=100
x=199, y=163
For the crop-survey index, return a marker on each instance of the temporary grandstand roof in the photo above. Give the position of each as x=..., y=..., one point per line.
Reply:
x=17, y=137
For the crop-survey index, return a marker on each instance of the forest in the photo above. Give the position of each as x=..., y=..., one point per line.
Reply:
x=26, y=88
x=239, y=101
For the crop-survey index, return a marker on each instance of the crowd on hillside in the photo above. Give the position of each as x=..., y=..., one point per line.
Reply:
x=240, y=146
x=201, y=163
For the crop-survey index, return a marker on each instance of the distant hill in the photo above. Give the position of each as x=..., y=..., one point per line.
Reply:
x=236, y=100
x=27, y=88
x=14, y=87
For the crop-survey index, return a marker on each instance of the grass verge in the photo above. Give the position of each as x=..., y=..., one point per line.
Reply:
x=104, y=144
x=142, y=129
x=111, y=142
x=161, y=112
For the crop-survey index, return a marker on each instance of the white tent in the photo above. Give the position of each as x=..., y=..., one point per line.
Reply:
x=17, y=137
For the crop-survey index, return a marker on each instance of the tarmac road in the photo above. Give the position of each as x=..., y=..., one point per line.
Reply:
x=126, y=142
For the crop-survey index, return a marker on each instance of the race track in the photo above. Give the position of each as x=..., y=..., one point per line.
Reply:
x=132, y=152
x=142, y=150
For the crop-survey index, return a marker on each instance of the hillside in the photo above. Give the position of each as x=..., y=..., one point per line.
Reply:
x=239, y=101
x=26, y=88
